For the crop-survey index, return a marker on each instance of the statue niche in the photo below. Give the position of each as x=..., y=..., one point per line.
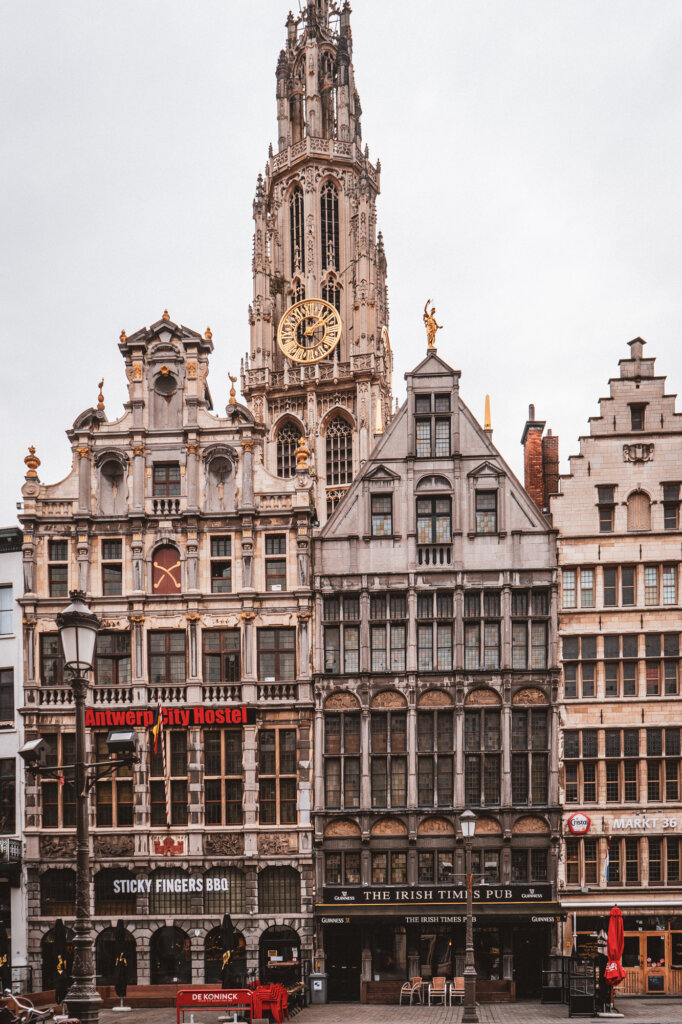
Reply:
x=113, y=485
x=166, y=401
x=221, y=481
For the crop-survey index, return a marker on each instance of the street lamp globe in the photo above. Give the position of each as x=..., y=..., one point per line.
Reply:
x=78, y=631
x=467, y=821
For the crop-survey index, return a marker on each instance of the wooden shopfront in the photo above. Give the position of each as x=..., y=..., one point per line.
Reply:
x=652, y=955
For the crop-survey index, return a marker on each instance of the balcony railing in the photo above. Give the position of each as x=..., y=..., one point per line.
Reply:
x=434, y=554
x=165, y=506
x=277, y=691
x=221, y=692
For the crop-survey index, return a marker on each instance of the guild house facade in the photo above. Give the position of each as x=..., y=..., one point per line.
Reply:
x=196, y=558
x=618, y=522
x=435, y=684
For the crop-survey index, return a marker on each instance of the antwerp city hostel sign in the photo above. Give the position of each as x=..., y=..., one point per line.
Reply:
x=216, y=715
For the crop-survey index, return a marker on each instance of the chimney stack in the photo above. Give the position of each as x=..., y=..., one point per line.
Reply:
x=540, y=460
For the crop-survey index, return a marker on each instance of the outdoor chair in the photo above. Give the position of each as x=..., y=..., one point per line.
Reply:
x=457, y=990
x=437, y=990
x=413, y=989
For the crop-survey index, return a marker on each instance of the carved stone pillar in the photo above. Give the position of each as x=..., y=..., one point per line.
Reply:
x=247, y=474
x=192, y=475
x=303, y=644
x=83, y=557
x=192, y=560
x=250, y=778
x=138, y=564
x=247, y=619
x=506, y=756
x=247, y=554
x=138, y=477
x=319, y=757
x=83, y=480
x=412, y=756
x=29, y=556
x=365, y=797
x=137, y=622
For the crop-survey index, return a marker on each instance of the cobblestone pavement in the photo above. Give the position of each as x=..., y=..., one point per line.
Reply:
x=641, y=1011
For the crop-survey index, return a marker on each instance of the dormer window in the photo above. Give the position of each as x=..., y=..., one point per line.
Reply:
x=432, y=425
x=486, y=511
x=637, y=417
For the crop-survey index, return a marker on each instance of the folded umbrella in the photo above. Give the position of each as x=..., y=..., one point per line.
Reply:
x=121, y=961
x=227, y=940
x=5, y=967
x=615, y=943
x=62, y=980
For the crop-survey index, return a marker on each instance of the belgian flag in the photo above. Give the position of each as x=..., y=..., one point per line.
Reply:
x=157, y=727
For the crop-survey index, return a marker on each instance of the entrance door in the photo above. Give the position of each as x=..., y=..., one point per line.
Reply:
x=344, y=959
x=530, y=947
x=654, y=963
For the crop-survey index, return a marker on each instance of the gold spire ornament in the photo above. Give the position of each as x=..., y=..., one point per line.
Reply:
x=208, y=335
x=302, y=453
x=32, y=461
x=122, y=337
x=431, y=325
x=233, y=393
x=166, y=315
x=487, y=425
x=100, y=397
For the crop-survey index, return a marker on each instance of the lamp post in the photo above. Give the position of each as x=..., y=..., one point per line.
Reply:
x=467, y=822
x=78, y=631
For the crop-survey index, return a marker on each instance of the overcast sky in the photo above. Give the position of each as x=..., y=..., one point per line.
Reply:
x=531, y=169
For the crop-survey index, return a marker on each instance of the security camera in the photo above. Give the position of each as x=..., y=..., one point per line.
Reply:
x=34, y=753
x=121, y=741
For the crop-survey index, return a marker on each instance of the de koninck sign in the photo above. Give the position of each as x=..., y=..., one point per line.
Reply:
x=439, y=901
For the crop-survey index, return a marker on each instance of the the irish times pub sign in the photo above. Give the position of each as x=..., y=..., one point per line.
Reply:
x=439, y=902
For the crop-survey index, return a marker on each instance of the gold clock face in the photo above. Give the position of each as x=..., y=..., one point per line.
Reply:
x=309, y=331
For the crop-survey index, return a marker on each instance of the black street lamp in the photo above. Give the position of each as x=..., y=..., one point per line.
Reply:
x=467, y=822
x=78, y=631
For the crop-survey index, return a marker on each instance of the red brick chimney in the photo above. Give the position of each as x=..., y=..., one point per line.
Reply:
x=531, y=440
x=550, y=466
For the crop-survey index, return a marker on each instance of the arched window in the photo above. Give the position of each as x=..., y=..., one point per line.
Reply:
x=164, y=900
x=58, y=893
x=331, y=293
x=639, y=511
x=296, y=238
x=339, y=452
x=279, y=955
x=171, y=957
x=279, y=891
x=107, y=900
x=329, y=210
x=106, y=954
x=287, y=442
x=224, y=891
x=213, y=959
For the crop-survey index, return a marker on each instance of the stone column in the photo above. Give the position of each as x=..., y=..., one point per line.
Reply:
x=412, y=629
x=247, y=474
x=249, y=659
x=83, y=557
x=138, y=564
x=506, y=756
x=138, y=477
x=412, y=754
x=319, y=758
x=303, y=645
x=83, y=480
x=192, y=475
x=365, y=789
x=459, y=757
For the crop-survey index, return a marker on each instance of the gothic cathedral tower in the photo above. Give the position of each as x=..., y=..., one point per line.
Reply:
x=315, y=239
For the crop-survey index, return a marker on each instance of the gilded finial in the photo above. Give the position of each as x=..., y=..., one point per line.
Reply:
x=233, y=393
x=100, y=397
x=431, y=325
x=487, y=425
x=166, y=315
x=123, y=336
x=32, y=461
x=302, y=453
x=208, y=335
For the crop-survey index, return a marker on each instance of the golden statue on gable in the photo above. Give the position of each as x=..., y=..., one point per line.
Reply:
x=431, y=325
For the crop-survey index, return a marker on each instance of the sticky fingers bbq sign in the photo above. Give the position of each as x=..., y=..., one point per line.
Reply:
x=214, y=715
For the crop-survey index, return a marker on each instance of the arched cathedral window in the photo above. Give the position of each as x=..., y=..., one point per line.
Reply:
x=339, y=452
x=331, y=293
x=287, y=442
x=296, y=231
x=329, y=209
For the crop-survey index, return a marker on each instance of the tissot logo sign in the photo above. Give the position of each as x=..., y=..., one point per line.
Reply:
x=181, y=717
x=579, y=823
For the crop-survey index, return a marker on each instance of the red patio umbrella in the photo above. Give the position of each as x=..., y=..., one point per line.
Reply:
x=615, y=941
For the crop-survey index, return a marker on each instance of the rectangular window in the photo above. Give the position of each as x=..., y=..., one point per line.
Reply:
x=51, y=660
x=671, y=506
x=572, y=861
x=58, y=569
x=112, y=659
x=637, y=417
x=223, y=780
x=112, y=567
x=606, y=506
x=8, y=796
x=472, y=645
x=587, y=588
x=6, y=610
x=669, y=584
x=519, y=645
x=432, y=432
x=435, y=743
x=627, y=582
x=166, y=480
x=382, y=515
x=175, y=782
x=113, y=795
x=434, y=521
x=59, y=801
x=610, y=588
x=6, y=696
x=221, y=565
x=167, y=665
x=388, y=762
x=221, y=655
x=590, y=856
x=275, y=568
x=486, y=511
x=631, y=861
x=651, y=584
x=569, y=592
x=277, y=777
x=276, y=655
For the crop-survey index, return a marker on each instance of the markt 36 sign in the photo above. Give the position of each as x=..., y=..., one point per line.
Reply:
x=217, y=715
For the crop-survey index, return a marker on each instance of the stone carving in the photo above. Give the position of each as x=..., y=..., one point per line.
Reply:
x=482, y=697
x=435, y=827
x=530, y=825
x=342, y=828
x=638, y=452
x=225, y=844
x=434, y=699
x=341, y=702
x=115, y=846
x=271, y=845
x=389, y=699
x=530, y=695
x=389, y=827
x=168, y=846
x=488, y=827
x=53, y=847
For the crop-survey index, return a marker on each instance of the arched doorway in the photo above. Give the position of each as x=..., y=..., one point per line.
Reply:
x=50, y=960
x=279, y=956
x=106, y=952
x=171, y=957
x=213, y=958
